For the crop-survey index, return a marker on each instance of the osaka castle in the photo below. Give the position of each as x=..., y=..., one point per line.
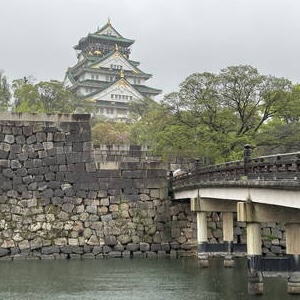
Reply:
x=105, y=75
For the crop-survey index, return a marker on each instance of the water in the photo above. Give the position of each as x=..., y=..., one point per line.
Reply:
x=134, y=279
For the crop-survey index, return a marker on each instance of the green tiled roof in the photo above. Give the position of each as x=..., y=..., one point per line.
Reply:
x=104, y=38
x=143, y=89
x=77, y=69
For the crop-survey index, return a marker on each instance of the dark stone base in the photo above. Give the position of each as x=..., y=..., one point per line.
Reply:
x=229, y=261
x=255, y=283
x=288, y=263
x=227, y=247
x=293, y=286
x=203, y=260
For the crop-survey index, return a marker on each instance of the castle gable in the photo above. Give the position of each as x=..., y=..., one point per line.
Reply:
x=116, y=61
x=120, y=91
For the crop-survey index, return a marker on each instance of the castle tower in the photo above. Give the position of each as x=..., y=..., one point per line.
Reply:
x=104, y=73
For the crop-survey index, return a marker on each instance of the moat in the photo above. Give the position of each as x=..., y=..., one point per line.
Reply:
x=134, y=279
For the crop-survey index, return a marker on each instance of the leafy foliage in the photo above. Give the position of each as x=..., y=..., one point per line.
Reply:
x=211, y=117
x=214, y=115
x=5, y=94
x=43, y=97
x=110, y=133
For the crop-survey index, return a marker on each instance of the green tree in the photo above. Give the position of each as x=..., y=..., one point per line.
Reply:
x=282, y=133
x=253, y=96
x=140, y=107
x=44, y=97
x=278, y=137
x=228, y=109
x=111, y=133
x=26, y=96
x=289, y=110
x=5, y=94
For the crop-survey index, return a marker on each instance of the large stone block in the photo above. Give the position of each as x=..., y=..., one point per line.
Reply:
x=133, y=247
x=3, y=251
x=27, y=130
x=124, y=239
x=5, y=163
x=4, y=154
x=155, y=183
x=110, y=240
x=67, y=207
x=59, y=137
x=155, y=247
x=60, y=241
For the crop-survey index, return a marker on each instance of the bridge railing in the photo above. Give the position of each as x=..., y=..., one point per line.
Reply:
x=273, y=167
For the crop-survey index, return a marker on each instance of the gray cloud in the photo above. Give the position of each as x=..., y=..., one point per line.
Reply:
x=174, y=38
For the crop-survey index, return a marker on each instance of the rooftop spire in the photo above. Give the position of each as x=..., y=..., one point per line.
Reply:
x=109, y=22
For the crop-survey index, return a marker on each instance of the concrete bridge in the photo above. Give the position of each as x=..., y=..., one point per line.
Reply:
x=257, y=190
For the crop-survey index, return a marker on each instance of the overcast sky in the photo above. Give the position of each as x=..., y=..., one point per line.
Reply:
x=173, y=38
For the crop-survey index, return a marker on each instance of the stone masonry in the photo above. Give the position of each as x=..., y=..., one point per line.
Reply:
x=58, y=201
x=62, y=198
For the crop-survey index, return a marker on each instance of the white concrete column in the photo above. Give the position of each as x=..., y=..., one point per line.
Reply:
x=253, y=239
x=255, y=280
x=292, y=238
x=202, y=231
x=228, y=238
x=202, y=239
x=228, y=230
x=293, y=250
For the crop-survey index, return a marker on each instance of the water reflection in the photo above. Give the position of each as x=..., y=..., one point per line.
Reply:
x=116, y=279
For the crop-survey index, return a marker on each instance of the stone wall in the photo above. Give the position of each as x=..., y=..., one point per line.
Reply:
x=61, y=198
x=273, y=234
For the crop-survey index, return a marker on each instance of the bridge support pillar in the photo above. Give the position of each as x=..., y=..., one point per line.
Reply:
x=255, y=279
x=228, y=238
x=202, y=239
x=293, y=249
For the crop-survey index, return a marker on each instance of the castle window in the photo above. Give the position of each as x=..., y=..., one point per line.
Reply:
x=116, y=67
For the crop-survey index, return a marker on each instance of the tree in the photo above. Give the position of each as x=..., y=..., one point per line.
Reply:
x=282, y=133
x=140, y=107
x=253, y=96
x=228, y=109
x=289, y=110
x=5, y=94
x=26, y=96
x=110, y=133
x=44, y=97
